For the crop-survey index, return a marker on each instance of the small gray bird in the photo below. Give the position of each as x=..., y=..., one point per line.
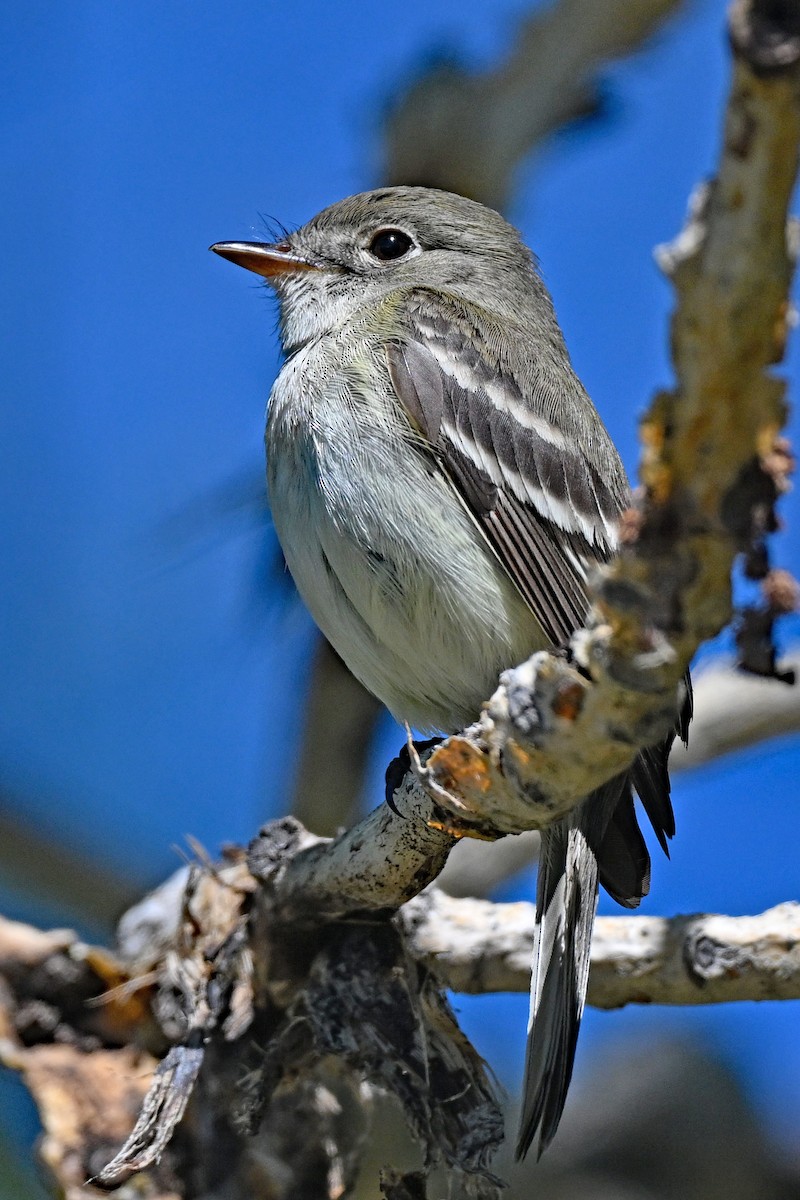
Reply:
x=441, y=484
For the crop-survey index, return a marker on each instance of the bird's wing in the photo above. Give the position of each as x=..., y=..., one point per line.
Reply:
x=544, y=509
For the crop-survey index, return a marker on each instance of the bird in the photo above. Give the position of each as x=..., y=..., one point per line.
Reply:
x=442, y=488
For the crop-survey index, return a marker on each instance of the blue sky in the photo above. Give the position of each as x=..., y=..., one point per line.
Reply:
x=151, y=672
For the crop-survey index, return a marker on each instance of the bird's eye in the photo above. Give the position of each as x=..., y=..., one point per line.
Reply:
x=388, y=244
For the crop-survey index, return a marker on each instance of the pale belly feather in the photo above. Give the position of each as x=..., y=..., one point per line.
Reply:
x=397, y=575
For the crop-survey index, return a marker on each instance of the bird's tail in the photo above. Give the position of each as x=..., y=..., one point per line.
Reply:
x=599, y=843
x=566, y=901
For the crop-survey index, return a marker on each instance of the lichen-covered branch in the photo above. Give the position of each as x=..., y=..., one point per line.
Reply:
x=476, y=946
x=380, y=863
x=733, y=710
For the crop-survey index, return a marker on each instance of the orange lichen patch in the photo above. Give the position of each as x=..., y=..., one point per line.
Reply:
x=459, y=831
x=120, y=1011
x=125, y=1005
x=460, y=768
x=657, y=477
x=780, y=332
x=651, y=429
x=473, y=785
x=569, y=701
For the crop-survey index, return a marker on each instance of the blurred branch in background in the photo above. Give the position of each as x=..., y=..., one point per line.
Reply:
x=660, y=1120
x=735, y=710
x=469, y=133
x=37, y=866
x=340, y=722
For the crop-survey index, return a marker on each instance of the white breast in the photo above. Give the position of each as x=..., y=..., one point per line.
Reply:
x=385, y=556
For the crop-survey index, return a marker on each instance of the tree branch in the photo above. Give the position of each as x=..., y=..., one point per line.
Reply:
x=476, y=946
x=733, y=710
x=81, y=1027
x=380, y=863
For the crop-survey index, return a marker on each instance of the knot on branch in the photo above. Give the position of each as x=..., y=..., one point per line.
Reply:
x=708, y=959
x=766, y=34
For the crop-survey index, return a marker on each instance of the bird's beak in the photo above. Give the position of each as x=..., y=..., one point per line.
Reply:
x=265, y=258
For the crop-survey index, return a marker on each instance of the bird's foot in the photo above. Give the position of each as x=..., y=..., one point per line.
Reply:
x=399, y=767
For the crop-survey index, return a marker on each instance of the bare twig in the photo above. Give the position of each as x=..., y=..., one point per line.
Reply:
x=381, y=862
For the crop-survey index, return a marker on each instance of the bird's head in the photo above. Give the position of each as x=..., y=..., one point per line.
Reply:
x=356, y=252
